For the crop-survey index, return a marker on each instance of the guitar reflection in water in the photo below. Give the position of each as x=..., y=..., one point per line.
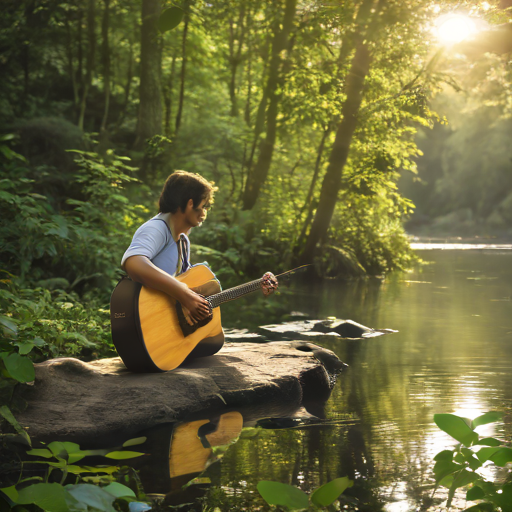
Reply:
x=179, y=453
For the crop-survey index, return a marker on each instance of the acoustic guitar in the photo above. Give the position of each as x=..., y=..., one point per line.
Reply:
x=149, y=329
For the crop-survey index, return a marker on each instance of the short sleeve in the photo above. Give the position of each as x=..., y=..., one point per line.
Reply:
x=148, y=240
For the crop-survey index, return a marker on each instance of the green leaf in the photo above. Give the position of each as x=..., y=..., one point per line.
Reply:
x=134, y=441
x=456, y=427
x=485, y=454
x=329, y=492
x=92, y=496
x=120, y=455
x=6, y=413
x=170, y=18
x=443, y=468
x=444, y=455
x=464, y=478
x=41, y=452
x=20, y=367
x=119, y=490
x=484, y=419
x=50, y=497
x=488, y=441
x=9, y=325
x=24, y=348
x=501, y=457
x=10, y=492
x=276, y=493
x=481, y=507
x=475, y=493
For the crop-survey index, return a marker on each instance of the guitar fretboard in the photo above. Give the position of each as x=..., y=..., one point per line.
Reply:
x=233, y=293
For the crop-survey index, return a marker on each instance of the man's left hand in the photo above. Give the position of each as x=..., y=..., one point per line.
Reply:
x=269, y=284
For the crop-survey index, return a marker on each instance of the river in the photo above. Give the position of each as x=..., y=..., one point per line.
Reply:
x=452, y=354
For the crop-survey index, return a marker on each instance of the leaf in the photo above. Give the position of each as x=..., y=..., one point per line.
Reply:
x=502, y=456
x=20, y=367
x=485, y=454
x=120, y=455
x=24, y=348
x=329, y=492
x=484, y=419
x=443, y=468
x=10, y=492
x=92, y=496
x=119, y=490
x=6, y=413
x=41, y=452
x=276, y=493
x=456, y=427
x=488, y=441
x=170, y=18
x=475, y=493
x=50, y=497
x=134, y=441
x=9, y=324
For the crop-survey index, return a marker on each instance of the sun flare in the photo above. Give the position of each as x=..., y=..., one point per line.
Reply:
x=454, y=28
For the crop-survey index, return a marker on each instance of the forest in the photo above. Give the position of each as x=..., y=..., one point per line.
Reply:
x=324, y=124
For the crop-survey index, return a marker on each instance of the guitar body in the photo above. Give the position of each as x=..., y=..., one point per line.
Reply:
x=145, y=327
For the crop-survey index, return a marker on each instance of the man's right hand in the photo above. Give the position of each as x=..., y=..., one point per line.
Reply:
x=195, y=307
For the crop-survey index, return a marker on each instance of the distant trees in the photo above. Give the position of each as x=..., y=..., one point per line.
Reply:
x=304, y=114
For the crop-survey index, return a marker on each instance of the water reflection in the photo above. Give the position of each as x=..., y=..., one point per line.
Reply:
x=453, y=353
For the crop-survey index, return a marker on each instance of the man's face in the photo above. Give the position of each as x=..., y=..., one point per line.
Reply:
x=196, y=216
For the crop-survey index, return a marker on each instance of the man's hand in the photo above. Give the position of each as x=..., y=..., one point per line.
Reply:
x=269, y=284
x=195, y=307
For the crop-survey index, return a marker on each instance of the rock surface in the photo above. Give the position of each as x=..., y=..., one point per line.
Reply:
x=73, y=400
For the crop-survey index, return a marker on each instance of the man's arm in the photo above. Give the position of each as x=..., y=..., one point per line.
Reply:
x=140, y=269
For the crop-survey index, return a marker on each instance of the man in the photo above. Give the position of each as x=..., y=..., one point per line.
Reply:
x=160, y=247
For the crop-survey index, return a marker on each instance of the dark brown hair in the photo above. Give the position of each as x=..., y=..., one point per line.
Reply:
x=180, y=187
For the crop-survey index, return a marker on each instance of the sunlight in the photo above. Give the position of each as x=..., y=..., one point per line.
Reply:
x=454, y=28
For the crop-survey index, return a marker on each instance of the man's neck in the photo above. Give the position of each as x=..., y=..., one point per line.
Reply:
x=178, y=224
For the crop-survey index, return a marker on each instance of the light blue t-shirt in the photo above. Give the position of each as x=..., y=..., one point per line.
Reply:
x=154, y=240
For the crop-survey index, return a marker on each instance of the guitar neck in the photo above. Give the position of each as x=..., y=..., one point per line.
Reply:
x=234, y=293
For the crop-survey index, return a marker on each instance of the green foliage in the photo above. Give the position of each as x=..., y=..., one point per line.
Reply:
x=170, y=19
x=82, y=240
x=84, y=494
x=292, y=498
x=459, y=468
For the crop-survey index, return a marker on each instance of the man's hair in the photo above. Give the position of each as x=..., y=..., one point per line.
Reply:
x=180, y=187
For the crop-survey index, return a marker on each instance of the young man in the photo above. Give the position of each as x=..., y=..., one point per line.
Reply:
x=160, y=247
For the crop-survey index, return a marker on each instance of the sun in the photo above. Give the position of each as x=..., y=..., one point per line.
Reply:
x=454, y=28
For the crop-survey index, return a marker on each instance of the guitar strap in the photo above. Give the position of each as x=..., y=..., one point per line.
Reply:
x=183, y=245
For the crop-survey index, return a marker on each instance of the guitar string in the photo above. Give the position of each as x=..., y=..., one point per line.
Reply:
x=233, y=293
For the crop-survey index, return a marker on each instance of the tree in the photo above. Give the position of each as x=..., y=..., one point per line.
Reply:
x=149, y=119
x=257, y=174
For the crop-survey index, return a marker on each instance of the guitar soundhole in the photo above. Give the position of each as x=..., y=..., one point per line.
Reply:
x=186, y=328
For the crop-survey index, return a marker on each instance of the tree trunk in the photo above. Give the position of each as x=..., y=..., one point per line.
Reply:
x=332, y=180
x=91, y=50
x=309, y=203
x=181, y=100
x=106, y=64
x=168, y=90
x=235, y=56
x=149, y=122
x=256, y=176
x=71, y=67
x=128, y=86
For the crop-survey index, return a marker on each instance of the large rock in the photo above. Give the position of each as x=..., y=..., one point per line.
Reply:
x=75, y=401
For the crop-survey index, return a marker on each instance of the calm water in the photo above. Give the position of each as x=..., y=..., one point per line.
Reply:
x=452, y=354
